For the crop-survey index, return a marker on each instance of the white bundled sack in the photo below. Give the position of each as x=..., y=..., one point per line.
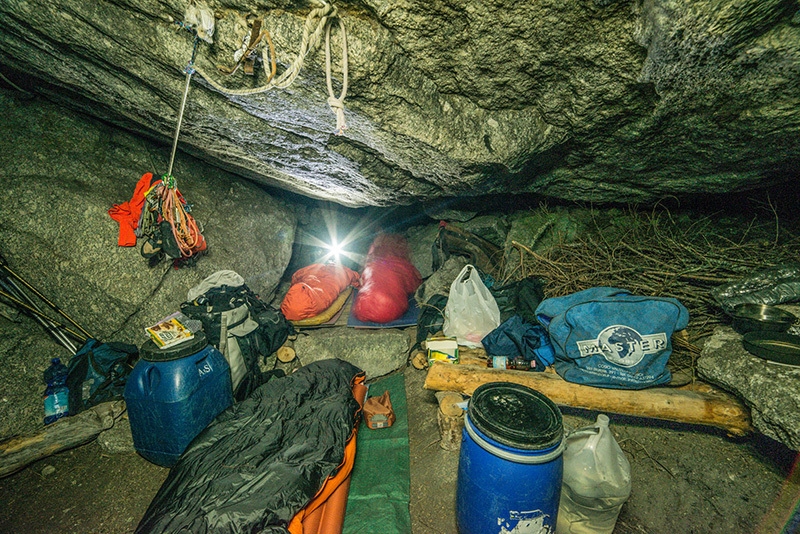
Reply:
x=200, y=17
x=471, y=310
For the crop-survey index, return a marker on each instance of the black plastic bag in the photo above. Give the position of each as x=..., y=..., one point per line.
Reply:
x=775, y=285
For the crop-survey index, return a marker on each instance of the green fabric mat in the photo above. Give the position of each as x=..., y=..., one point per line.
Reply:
x=380, y=484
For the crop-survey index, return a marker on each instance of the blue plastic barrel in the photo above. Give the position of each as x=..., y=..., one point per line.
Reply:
x=172, y=394
x=510, y=465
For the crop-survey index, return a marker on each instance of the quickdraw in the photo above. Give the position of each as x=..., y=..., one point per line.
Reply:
x=246, y=56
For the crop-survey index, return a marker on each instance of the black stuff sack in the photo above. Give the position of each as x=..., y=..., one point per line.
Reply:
x=452, y=240
x=519, y=298
x=607, y=337
x=98, y=373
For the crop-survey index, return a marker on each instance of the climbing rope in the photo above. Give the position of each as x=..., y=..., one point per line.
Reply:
x=336, y=104
x=173, y=206
x=189, y=70
x=317, y=22
x=184, y=227
x=165, y=203
x=167, y=199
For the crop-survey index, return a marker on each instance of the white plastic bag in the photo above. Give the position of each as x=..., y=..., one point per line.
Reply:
x=471, y=310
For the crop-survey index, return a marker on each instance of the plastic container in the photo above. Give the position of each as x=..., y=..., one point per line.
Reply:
x=56, y=395
x=510, y=465
x=172, y=394
x=597, y=481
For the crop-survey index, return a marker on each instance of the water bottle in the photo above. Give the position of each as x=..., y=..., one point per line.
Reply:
x=56, y=395
x=596, y=482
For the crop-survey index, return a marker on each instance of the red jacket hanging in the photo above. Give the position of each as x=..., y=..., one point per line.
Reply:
x=127, y=213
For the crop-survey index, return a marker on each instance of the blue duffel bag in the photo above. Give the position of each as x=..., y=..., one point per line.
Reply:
x=607, y=337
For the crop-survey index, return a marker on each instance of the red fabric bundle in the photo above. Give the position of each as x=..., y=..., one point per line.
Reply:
x=314, y=288
x=127, y=214
x=388, y=279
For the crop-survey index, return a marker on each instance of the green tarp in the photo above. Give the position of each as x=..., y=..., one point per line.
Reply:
x=379, y=488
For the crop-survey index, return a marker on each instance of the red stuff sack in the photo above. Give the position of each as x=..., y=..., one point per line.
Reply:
x=388, y=279
x=314, y=288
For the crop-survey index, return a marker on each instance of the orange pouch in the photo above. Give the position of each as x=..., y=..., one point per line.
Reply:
x=378, y=412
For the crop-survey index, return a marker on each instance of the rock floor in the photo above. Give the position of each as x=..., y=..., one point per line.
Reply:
x=685, y=480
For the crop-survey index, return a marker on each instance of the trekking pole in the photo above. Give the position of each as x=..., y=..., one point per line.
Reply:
x=5, y=267
x=42, y=319
x=32, y=310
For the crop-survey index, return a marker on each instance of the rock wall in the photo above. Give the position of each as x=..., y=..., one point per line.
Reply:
x=60, y=175
x=596, y=100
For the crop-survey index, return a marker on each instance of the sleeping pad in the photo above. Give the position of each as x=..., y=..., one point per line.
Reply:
x=261, y=460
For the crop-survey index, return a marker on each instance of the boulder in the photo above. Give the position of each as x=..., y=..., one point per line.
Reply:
x=420, y=240
x=772, y=391
x=377, y=352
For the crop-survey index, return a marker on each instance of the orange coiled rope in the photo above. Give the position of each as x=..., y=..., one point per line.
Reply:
x=184, y=227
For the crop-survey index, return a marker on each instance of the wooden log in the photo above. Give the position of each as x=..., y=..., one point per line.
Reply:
x=477, y=352
x=286, y=354
x=66, y=433
x=690, y=404
x=450, y=419
x=469, y=356
x=419, y=360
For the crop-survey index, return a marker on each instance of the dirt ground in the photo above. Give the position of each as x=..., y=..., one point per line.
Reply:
x=685, y=480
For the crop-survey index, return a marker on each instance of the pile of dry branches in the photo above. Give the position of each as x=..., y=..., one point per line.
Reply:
x=657, y=254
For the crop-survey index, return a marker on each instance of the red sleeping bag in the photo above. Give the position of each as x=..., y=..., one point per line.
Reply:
x=314, y=288
x=387, y=280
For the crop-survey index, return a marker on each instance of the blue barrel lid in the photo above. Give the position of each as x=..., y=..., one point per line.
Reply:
x=152, y=353
x=516, y=416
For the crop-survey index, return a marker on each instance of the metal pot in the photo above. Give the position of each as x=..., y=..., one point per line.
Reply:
x=761, y=318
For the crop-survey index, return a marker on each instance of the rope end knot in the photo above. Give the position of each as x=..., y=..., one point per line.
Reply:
x=337, y=106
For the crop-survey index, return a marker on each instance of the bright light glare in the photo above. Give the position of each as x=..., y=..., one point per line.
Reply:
x=334, y=251
x=334, y=248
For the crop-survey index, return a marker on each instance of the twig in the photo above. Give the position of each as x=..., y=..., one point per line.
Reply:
x=657, y=254
x=648, y=455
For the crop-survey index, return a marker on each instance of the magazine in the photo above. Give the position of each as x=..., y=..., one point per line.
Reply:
x=169, y=331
